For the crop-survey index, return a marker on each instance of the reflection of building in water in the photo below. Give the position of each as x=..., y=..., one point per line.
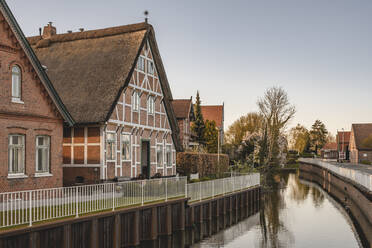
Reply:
x=339, y=207
x=222, y=238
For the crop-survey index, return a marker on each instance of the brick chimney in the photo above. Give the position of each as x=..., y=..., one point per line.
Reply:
x=49, y=31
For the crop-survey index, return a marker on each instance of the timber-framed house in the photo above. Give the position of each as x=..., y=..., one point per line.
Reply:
x=114, y=85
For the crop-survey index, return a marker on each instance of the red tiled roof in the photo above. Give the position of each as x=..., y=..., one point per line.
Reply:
x=213, y=113
x=330, y=146
x=182, y=108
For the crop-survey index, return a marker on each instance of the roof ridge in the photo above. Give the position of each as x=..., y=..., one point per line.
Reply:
x=89, y=34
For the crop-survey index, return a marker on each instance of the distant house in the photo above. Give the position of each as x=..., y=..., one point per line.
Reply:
x=184, y=111
x=361, y=143
x=32, y=115
x=215, y=113
x=343, y=140
x=329, y=151
x=114, y=84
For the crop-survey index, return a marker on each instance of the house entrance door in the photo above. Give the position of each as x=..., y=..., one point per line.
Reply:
x=145, y=158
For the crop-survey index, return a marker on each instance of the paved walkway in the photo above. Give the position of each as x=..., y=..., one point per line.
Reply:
x=360, y=167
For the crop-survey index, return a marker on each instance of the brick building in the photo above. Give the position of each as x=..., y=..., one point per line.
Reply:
x=343, y=140
x=114, y=85
x=215, y=113
x=31, y=115
x=184, y=111
x=361, y=143
x=329, y=151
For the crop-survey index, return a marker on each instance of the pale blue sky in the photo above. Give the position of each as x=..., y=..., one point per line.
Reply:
x=319, y=51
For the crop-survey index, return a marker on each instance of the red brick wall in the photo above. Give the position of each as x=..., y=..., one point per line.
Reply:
x=35, y=116
x=91, y=175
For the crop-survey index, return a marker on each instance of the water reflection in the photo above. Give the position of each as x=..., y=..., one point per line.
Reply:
x=292, y=213
x=296, y=214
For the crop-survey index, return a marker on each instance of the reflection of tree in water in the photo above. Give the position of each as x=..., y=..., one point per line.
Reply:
x=318, y=197
x=272, y=203
x=298, y=191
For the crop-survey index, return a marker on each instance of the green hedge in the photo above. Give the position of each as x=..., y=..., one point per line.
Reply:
x=203, y=163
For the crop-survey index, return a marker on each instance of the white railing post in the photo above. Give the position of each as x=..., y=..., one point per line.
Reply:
x=142, y=193
x=200, y=193
x=223, y=186
x=166, y=189
x=77, y=202
x=30, y=205
x=113, y=196
x=212, y=189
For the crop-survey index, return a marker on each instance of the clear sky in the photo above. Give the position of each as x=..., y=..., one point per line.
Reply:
x=319, y=51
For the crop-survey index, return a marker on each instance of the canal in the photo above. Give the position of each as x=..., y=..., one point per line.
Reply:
x=293, y=213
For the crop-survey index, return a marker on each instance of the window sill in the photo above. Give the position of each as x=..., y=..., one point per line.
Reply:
x=43, y=174
x=16, y=176
x=128, y=160
x=17, y=100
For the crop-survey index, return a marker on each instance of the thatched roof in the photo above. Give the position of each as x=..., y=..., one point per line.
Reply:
x=90, y=69
x=183, y=108
x=37, y=67
x=362, y=134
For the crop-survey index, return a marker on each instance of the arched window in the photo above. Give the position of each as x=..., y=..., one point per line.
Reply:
x=16, y=83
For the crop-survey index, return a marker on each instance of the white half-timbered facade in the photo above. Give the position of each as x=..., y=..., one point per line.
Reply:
x=140, y=117
x=114, y=85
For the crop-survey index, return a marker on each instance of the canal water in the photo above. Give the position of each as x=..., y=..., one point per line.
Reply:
x=293, y=213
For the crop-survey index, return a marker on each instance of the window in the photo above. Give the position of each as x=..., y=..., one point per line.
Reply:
x=42, y=153
x=151, y=105
x=141, y=63
x=16, y=83
x=125, y=146
x=150, y=67
x=159, y=155
x=136, y=101
x=169, y=155
x=111, y=146
x=16, y=154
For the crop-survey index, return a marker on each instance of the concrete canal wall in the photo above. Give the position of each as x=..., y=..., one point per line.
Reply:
x=132, y=226
x=355, y=199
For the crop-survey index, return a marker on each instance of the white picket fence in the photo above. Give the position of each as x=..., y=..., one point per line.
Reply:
x=210, y=189
x=357, y=176
x=27, y=207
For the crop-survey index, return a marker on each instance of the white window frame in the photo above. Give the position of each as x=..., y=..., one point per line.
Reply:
x=151, y=105
x=20, y=172
x=44, y=147
x=141, y=64
x=136, y=100
x=130, y=147
x=160, y=165
x=114, y=151
x=150, y=67
x=16, y=84
x=169, y=164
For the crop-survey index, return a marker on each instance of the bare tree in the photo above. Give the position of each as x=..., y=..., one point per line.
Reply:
x=277, y=112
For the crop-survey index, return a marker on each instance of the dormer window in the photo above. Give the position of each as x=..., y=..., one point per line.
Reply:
x=150, y=67
x=151, y=105
x=136, y=101
x=141, y=64
x=16, y=83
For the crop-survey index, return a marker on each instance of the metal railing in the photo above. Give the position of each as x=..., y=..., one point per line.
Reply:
x=27, y=207
x=357, y=176
x=210, y=189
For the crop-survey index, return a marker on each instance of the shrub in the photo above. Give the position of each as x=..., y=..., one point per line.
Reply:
x=366, y=162
x=206, y=164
